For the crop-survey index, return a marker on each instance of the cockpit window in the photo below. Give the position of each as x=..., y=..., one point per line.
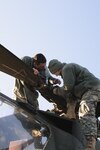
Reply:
x=19, y=130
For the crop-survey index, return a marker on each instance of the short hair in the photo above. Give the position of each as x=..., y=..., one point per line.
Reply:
x=40, y=58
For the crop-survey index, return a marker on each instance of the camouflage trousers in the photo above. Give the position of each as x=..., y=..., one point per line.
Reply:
x=32, y=97
x=23, y=93
x=87, y=111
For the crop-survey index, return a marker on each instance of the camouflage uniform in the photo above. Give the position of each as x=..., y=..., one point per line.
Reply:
x=87, y=111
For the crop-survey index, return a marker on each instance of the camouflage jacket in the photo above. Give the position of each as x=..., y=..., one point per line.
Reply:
x=78, y=79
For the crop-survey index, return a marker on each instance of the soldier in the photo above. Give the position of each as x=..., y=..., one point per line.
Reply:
x=27, y=93
x=78, y=81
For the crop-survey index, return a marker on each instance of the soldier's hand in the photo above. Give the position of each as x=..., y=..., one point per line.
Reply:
x=56, y=81
x=36, y=72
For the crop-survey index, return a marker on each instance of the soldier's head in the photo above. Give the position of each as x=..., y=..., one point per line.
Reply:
x=55, y=67
x=40, y=61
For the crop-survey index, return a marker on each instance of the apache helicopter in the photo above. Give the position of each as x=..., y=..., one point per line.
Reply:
x=23, y=128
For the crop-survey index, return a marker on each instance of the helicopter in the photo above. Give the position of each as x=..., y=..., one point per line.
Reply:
x=24, y=128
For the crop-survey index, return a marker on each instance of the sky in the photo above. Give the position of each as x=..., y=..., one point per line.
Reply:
x=68, y=30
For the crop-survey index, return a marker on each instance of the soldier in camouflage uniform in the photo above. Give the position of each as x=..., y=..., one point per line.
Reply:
x=78, y=81
x=29, y=94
